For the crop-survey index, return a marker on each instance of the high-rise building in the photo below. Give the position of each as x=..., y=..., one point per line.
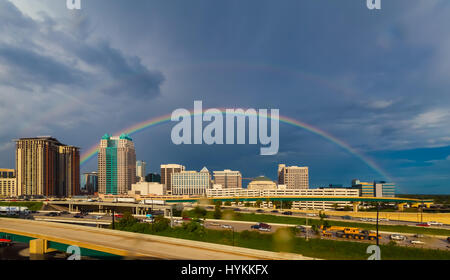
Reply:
x=7, y=183
x=166, y=172
x=140, y=170
x=191, y=182
x=153, y=177
x=89, y=182
x=116, y=164
x=228, y=179
x=46, y=167
x=294, y=177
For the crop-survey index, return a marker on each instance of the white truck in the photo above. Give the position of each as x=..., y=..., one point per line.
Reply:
x=125, y=199
x=11, y=210
x=152, y=202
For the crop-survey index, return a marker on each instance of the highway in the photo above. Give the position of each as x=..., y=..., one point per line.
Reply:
x=135, y=245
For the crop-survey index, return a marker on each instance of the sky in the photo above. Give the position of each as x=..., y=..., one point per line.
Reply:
x=377, y=80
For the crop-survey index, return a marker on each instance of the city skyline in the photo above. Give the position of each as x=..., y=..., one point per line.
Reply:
x=76, y=76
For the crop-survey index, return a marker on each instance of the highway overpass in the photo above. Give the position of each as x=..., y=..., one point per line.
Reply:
x=106, y=243
x=304, y=198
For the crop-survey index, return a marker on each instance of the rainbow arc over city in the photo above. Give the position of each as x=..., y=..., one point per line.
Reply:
x=92, y=151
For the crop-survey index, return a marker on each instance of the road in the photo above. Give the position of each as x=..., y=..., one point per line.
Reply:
x=135, y=245
x=300, y=214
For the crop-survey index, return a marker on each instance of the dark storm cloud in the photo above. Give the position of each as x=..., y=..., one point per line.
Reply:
x=31, y=67
x=48, y=52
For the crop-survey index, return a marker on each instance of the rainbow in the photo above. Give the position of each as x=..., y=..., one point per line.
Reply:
x=91, y=152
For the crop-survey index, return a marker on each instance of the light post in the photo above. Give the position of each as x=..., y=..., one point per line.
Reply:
x=233, y=234
x=378, y=210
x=306, y=228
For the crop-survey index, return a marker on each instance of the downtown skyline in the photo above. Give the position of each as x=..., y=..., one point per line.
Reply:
x=76, y=76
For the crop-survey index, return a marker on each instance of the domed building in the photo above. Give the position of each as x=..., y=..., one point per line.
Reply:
x=262, y=183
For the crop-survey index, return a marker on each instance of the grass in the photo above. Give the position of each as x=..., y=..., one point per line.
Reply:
x=32, y=205
x=285, y=240
x=264, y=218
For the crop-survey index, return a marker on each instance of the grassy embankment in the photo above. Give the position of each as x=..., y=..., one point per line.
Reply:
x=264, y=218
x=283, y=240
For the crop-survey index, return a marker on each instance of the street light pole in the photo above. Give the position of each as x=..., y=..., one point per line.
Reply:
x=378, y=210
x=113, y=225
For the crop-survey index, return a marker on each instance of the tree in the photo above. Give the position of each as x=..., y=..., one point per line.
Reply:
x=217, y=211
x=335, y=206
x=227, y=203
x=258, y=203
x=199, y=212
x=160, y=224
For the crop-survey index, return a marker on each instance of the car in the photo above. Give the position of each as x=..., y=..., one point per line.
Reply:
x=118, y=215
x=448, y=239
x=237, y=209
x=260, y=211
x=78, y=216
x=364, y=220
x=423, y=225
x=52, y=214
x=98, y=217
x=384, y=220
x=418, y=235
x=263, y=225
x=214, y=224
x=311, y=215
x=264, y=229
x=227, y=226
x=287, y=213
x=65, y=213
x=255, y=227
x=346, y=217
x=301, y=228
x=417, y=242
x=434, y=223
x=148, y=221
x=186, y=219
x=274, y=211
x=209, y=207
x=397, y=237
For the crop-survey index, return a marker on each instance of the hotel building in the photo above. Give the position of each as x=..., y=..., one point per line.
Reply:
x=166, y=174
x=191, y=182
x=228, y=179
x=116, y=164
x=46, y=167
x=7, y=183
x=294, y=177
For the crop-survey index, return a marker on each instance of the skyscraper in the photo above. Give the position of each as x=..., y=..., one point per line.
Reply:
x=46, y=167
x=166, y=171
x=116, y=164
x=140, y=170
x=228, y=179
x=89, y=182
x=294, y=177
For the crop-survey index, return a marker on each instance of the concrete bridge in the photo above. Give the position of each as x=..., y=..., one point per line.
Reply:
x=45, y=237
x=108, y=207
